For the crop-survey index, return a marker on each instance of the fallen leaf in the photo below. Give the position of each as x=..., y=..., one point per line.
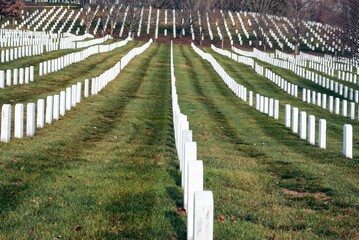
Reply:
x=50, y=198
x=8, y=168
x=221, y=218
x=78, y=228
x=181, y=211
x=19, y=181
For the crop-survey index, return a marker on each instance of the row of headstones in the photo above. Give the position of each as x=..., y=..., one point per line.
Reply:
x=57, y=105
x=271, y=108
x=347, y=76
x=52, y=17
x=197, y=203
x=93, y=42
x=60, y=19
x=288, y=87
x=226, y=27
x=323, y=81
x=57, y=64
x=243, y=53
x=311, y=76
x=241, y=59
x=97, y=25
x=321, y=100
x=19, y=38
x=305, y=126
x=321, y=68
x=19, y=52
x=317, y=98
x=235, y=87
x=16, y=76
x=123, y=21
x=109, y=15
x=208, y=27
x=140, y=23
x=53, y=65
x=41, y=20
x=71, y=27
x=242, y=25
x=30, y=20
x=265, y=105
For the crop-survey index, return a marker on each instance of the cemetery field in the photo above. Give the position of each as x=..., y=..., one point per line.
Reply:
x=109, y=169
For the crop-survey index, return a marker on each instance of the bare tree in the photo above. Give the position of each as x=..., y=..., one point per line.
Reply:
x=298, y=11
x=343, y=15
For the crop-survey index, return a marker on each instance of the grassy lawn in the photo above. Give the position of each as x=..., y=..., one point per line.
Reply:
x=107, y=170
x=55, y=82
x=265, y=180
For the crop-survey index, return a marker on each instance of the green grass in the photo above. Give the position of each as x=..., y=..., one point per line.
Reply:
x=107, y=170
x=265, y=180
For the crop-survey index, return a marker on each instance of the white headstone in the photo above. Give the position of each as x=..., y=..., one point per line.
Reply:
x=68, y=98
x=352, y=110
x=337, y=106
x=303, y=125
x=287, y=115
x=62, y=103
x=190, y=154
x=56, y=107
x=295, y=112
x=322, y=135
x=194, y=184
x=40, y=113
x=78, y=92
x=330, y=107
x=348, y=141
x=8, y=77
x=2, y=79
x=311, y=129
x=5, y=123
x=30, y=119
x=16, y=76
x=49, y=109
x=19, y=121
x=86, y=88
x=344, y=108
x=250, y=98
x=203, y=215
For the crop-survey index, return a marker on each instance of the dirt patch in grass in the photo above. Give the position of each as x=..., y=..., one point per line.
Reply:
x=318, y=195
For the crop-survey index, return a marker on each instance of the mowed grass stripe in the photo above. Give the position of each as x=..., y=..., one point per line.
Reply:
x=55, y=82
x=108, y=170
x=265, y=180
